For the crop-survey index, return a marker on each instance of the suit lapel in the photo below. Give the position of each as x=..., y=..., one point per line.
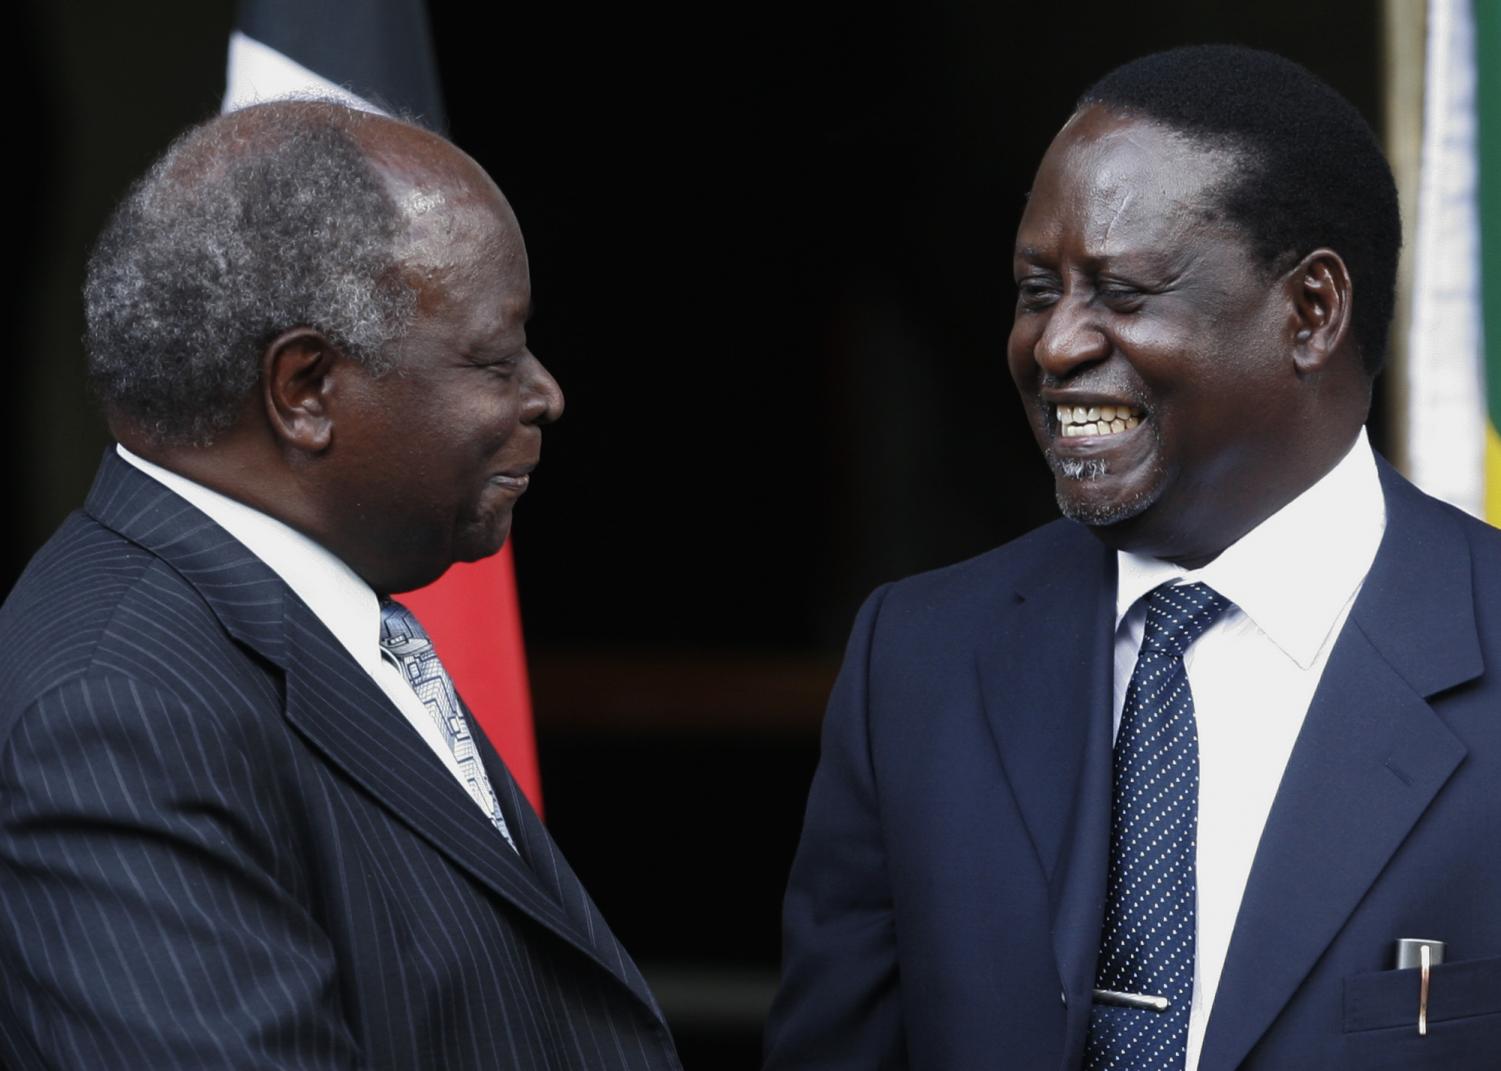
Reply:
x=341, y=712
x=344, y=714
x=1052, y=726
x=1370, y=758
x=551, y=869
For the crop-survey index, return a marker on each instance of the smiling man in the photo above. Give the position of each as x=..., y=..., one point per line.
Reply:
x=1162, y=785
x=245, y=821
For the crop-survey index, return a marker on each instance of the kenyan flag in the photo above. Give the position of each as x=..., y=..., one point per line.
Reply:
x=1488, y=152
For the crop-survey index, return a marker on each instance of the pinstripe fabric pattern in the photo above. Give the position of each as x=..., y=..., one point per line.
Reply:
x=220, y=846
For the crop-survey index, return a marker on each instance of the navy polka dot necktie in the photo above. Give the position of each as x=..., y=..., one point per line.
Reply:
x=1147, y=944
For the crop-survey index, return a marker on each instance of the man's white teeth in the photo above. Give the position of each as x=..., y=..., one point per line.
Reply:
x=1076, y=420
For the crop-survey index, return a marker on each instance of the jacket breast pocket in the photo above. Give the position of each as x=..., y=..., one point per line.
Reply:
x=1464, y=1018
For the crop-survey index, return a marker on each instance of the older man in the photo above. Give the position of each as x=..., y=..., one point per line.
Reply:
x=244, y=820
x=1163, y=784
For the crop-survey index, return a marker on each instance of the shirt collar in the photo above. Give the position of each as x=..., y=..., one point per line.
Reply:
x=333, y=591
x=1296, y=571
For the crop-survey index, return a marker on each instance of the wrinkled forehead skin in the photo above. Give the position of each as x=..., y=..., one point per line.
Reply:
x=1149, y=187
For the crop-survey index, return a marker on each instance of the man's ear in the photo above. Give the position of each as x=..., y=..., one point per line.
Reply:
x=296, y=385
x=1319, y=293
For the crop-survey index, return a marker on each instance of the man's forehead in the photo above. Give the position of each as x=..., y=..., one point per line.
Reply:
x=1122, y=181
x=453, y=210
x=447, y=226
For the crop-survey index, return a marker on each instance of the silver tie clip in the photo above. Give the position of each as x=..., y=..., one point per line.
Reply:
x=1145, y=1001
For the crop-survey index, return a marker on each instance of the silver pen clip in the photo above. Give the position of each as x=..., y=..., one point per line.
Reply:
x=1423, y=954
x=1425, y=964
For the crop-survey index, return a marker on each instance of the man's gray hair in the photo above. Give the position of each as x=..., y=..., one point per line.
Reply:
x=251, y=224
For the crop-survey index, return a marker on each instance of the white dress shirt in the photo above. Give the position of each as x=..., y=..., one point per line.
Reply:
x=1292, y=581
x=332, y=591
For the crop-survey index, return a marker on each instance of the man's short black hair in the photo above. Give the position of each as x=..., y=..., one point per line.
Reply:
x=1313, y=173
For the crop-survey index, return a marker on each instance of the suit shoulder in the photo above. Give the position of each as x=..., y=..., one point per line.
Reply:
x=1484, y=540
x=93, y=601
x=973, y=586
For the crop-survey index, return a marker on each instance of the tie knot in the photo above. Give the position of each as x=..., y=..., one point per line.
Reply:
x=1178, y=614
x=400, y=631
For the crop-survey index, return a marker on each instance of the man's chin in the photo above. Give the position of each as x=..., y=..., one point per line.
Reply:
x=480, y=541
x=1091, y=502
x=1098, y=514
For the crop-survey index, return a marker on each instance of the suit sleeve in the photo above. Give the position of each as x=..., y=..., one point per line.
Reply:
x=151, y=915
x=839, y=1002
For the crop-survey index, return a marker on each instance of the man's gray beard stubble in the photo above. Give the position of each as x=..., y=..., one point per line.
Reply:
x=1074, y=468
x=1080, y=468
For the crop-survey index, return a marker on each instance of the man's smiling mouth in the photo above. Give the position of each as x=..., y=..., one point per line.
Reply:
x=1097, y=420
x=515, y=479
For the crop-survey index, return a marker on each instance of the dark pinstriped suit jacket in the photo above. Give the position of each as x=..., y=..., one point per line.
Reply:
x=221, y=846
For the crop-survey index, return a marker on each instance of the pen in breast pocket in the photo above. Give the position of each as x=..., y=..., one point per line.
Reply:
x=1424, y=954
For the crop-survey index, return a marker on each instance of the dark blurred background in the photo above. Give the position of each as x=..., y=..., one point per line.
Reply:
x=771, y=254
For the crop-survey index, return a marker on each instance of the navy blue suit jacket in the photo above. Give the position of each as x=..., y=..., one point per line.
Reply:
x=945, y=904
x=222, y=846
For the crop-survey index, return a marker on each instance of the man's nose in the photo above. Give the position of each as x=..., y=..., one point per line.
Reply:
x=543, y=401
x=1072, y=337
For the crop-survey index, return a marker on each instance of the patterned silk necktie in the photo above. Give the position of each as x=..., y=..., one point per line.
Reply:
x=406, y=644
x=1147, y=945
